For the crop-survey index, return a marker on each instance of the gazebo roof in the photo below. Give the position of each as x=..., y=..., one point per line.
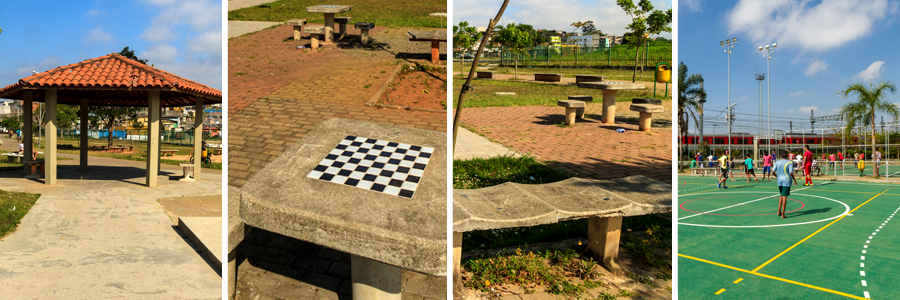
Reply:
x=112, y=80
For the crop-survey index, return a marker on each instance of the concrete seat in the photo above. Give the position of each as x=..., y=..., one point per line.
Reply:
x=342, y=21
x=549, y=77
x=317, y=33
x=364, y=28
x=35, y=168
x=646, y=111
x=572, y=107
x=579, y=112
x=298, y=27
x=188, y=171
x=588, y=78
x=484, y=74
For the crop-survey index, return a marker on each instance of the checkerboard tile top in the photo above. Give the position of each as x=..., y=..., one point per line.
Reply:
x=376, y=165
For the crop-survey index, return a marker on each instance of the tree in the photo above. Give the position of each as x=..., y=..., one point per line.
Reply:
x=645, y=21
x=465, y=37
x=515, y=42
x=108, y=115
x=13, y=123
x=690, y=91
x=871, y=100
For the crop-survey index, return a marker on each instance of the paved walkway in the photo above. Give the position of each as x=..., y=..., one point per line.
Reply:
x=588, y=149
x=238, y=4
x=470, y=145
x=278, y=93
x=101, y=234
x=239, y=28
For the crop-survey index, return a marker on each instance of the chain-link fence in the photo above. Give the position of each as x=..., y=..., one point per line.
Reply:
x=184, y=138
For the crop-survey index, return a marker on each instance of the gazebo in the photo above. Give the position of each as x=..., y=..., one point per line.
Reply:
x=110, y=80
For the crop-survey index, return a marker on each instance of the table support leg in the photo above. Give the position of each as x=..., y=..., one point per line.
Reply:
x=374, y=280
x=609, y=107
x=435, y=51
x=603, y=236
x=329, y=22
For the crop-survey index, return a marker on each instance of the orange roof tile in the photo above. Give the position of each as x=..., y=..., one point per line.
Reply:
x=112, y=80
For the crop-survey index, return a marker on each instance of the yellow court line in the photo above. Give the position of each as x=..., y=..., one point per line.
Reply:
x=739, y=280
x=814, y=233
x=720, y=291
x=833, y=191
x=773, y=277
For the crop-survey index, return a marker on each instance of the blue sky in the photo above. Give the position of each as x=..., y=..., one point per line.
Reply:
x=555, y=14
x=823, y=47
x=183, y=37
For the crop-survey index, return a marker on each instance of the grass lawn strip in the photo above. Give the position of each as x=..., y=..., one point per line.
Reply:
x=414, y=13
x=535, y=94
x=13, y=207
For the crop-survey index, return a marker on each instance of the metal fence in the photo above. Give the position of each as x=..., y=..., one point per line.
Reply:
x=846, y=170
x=185, y=138
x=617, y=56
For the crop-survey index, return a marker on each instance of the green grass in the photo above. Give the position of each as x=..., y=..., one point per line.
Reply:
x=554, y=269
x=13, y=207
x=617, y=56
x=480, y=173
x=610, y=74
x=535, y=94
x=399, y=13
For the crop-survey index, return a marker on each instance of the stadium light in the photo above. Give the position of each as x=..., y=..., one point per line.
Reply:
x=729, y=46
x=768, y=56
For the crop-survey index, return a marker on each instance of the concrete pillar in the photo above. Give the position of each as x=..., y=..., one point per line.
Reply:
x=603, y=236
x=50, y=133
x=645, y=121
x=343, y=28
x=297, y=32
x=579, y=112
x=457, y=261
x=314, y=41
x=198, y=137
x=609, y=107
x=435, y=51
x=83, y=150
x=232, y=272
x=27, y=139
x=570, y=115
x=373, y=279
x=153, y=138
x=329, y=23
x=159, y=161
x=364, y=37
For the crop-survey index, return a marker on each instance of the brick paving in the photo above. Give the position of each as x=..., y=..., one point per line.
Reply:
x=278, y=93
x=587, y=149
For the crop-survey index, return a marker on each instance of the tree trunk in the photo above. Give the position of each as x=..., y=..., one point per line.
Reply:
x=109, y=132
x=637, y=50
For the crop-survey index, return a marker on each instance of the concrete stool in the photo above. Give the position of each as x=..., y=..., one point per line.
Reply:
x=484, y=74
x=188, y=171
x=572, y=107
x=343, y=25
x=646, y=107
x=317, y=33
x=580, y=111
x=364, y=35
x=298, y=27
x=551, y=77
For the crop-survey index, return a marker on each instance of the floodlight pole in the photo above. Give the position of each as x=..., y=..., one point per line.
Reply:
x=729, y=46
x=768, y=56
x=843, y=133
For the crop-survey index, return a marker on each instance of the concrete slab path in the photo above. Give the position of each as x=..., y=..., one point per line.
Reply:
x=239, y=28
x=470, y=145
x=100, y=234
x=206, y=234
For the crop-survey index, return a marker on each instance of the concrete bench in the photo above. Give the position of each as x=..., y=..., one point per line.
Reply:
x=188, y=169
x=572, y=109
x=549, y=77
x=484, y=74
x=130, y=148
x=94, y=147
x=235, y=236
x=364, y=28
x=603, y=202
x=118, y=149
x=382, y=232
x=646, y=107
x=298, y=27
x=14, y=157
x=167, y=152
x=317, y=34
x=588, y=78
x=34, y=167
x=342, y=21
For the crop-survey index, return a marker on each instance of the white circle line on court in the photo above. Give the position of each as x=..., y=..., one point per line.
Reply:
x=846, y=210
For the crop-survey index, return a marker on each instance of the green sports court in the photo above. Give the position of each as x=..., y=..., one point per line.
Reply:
x=838, y=240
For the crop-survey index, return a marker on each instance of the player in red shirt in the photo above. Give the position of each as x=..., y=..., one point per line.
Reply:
x=807, y=165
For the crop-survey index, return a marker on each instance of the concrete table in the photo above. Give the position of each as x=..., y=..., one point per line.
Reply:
x=329, y=11
x=383, y=232
x=435, y=37
x=609, y=96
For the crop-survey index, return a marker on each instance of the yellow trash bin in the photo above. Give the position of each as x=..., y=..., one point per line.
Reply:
x=663, y=73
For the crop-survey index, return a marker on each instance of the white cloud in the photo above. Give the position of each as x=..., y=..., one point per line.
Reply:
x=872, y=72
x=41, y=66
x=98, y=36
x=95, y=13
x=795, y=94
x=206, y=42
x=198, y=14
x=607, y=16
x=804, y=24
x=693, y=5
x=815, y=67
x=158, y=34
x=159, y=54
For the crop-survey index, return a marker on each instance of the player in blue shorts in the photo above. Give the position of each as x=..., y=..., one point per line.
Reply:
x=784, y=171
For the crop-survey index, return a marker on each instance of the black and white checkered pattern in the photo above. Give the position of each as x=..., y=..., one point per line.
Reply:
x=376, y=165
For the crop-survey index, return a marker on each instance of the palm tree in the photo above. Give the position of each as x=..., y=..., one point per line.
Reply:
x=690, y=91
x=871, y=99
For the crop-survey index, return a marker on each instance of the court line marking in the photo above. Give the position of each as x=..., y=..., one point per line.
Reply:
x=738, y=280
x=739, y=204
x=773, y=277
x=845, y=213
x=720, y=291
x=814, y=233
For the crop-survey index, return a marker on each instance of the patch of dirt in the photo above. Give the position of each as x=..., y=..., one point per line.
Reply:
x=187, y=158
x=419, y=87
x=199, y=206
